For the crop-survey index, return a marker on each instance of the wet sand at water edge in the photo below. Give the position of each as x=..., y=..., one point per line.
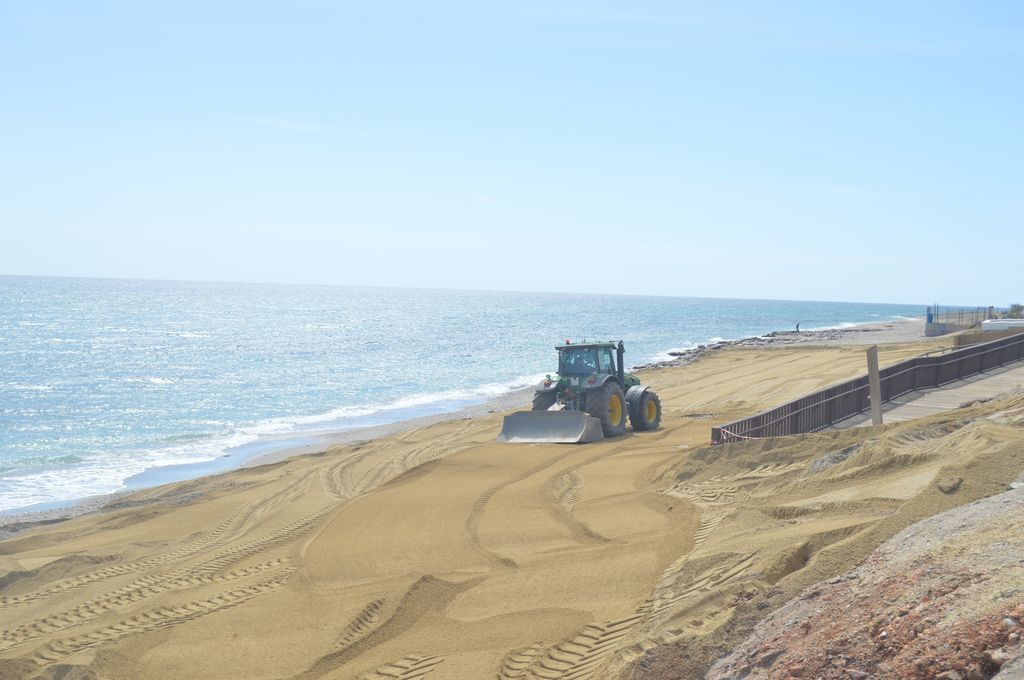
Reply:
x=436, y=552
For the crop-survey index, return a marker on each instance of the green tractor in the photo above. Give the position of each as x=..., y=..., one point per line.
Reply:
x=588, y=399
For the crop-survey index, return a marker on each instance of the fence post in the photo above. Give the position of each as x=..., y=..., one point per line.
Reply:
x=875, y=386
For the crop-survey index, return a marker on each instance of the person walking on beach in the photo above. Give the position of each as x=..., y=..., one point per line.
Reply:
x=797, y=326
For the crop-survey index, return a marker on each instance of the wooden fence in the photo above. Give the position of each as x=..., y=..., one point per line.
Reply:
x=965, y=339
x=834, y=404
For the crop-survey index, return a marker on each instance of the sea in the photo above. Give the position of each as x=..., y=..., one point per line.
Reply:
x=103, y=381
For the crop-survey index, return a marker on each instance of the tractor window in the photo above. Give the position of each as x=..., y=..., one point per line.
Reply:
x=578, y=361
x=604, y=356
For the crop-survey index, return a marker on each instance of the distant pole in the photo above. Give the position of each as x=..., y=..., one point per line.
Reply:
x=874, y=386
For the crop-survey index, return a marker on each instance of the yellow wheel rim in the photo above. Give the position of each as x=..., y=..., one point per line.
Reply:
x=651, y=410
x=615, y=409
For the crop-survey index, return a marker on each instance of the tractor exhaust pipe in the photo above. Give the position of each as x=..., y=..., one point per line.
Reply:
x=620, y=352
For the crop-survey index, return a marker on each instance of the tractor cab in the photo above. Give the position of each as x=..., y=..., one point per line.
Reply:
x=592, y=358
x=585, y=360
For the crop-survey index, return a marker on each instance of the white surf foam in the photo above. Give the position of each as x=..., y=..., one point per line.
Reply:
x=837, y=327
x=108, y=475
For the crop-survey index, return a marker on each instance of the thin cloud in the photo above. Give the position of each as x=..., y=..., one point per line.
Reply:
x=302, y=126
x=910, y=47
x=366, y=132
x=278, y=123
x=588, y=11
x=861, y=191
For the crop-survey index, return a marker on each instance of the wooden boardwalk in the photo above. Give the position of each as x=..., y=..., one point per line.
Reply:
x=926, y=402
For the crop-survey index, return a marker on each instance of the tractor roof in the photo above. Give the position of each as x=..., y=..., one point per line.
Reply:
x=569, y=345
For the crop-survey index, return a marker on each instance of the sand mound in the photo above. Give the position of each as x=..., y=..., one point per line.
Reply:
x=790, y=512
x=942, y=597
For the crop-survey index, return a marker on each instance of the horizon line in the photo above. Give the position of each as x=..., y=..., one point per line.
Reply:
x=473, y=290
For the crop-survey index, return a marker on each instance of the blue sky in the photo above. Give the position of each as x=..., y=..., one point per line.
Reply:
x=799, y=150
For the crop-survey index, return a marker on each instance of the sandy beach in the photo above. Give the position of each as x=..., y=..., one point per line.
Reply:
x=427, y=549
x=14, y=521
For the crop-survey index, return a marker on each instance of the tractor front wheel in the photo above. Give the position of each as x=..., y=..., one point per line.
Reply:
x=607, y=404
x=645, y=414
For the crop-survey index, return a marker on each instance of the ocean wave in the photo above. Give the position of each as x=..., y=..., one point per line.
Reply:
x=28, y=387
x=79, y=478
x=475, y=394
x=837, y=327
x=148, y=380
x=345, y=417
x=197, y=451
x=75, y=481
x=853, y=324
x=415, y=403
x=83, y=476
x=26, y=490
x=36, y=462
x=667, y=355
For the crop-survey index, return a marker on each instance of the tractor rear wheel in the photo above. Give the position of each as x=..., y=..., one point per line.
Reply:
x=646, y=413
x=607, y=404
x=542, y=401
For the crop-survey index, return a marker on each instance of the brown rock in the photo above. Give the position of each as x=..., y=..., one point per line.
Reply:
x=769, y=658
x=950, y=484
x=998, y=656
x=949, y=675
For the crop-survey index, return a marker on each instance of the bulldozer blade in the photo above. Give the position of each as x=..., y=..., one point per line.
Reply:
x=551, y=427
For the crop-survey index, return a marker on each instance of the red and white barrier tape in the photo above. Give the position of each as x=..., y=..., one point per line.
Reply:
x=738, y=436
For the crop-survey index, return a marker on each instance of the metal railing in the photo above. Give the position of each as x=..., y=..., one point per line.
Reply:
x=834, y=404
x=961, y=316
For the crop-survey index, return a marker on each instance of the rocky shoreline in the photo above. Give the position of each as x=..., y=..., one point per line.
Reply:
x=910, y=330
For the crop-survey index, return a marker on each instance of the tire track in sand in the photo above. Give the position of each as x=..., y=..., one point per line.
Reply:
x=516, y=664
x=339, y=479
x=714, y=498
x=155, y=619
x=395, y=466
x=574, y=658
x=87, y=611
x=578, y=529
x=362, y=624
x=236, y=524
x=406, y=668
x=582, y=655
x=568, y=489
x=203, y=574
x=476, y=512
x=378, y=623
